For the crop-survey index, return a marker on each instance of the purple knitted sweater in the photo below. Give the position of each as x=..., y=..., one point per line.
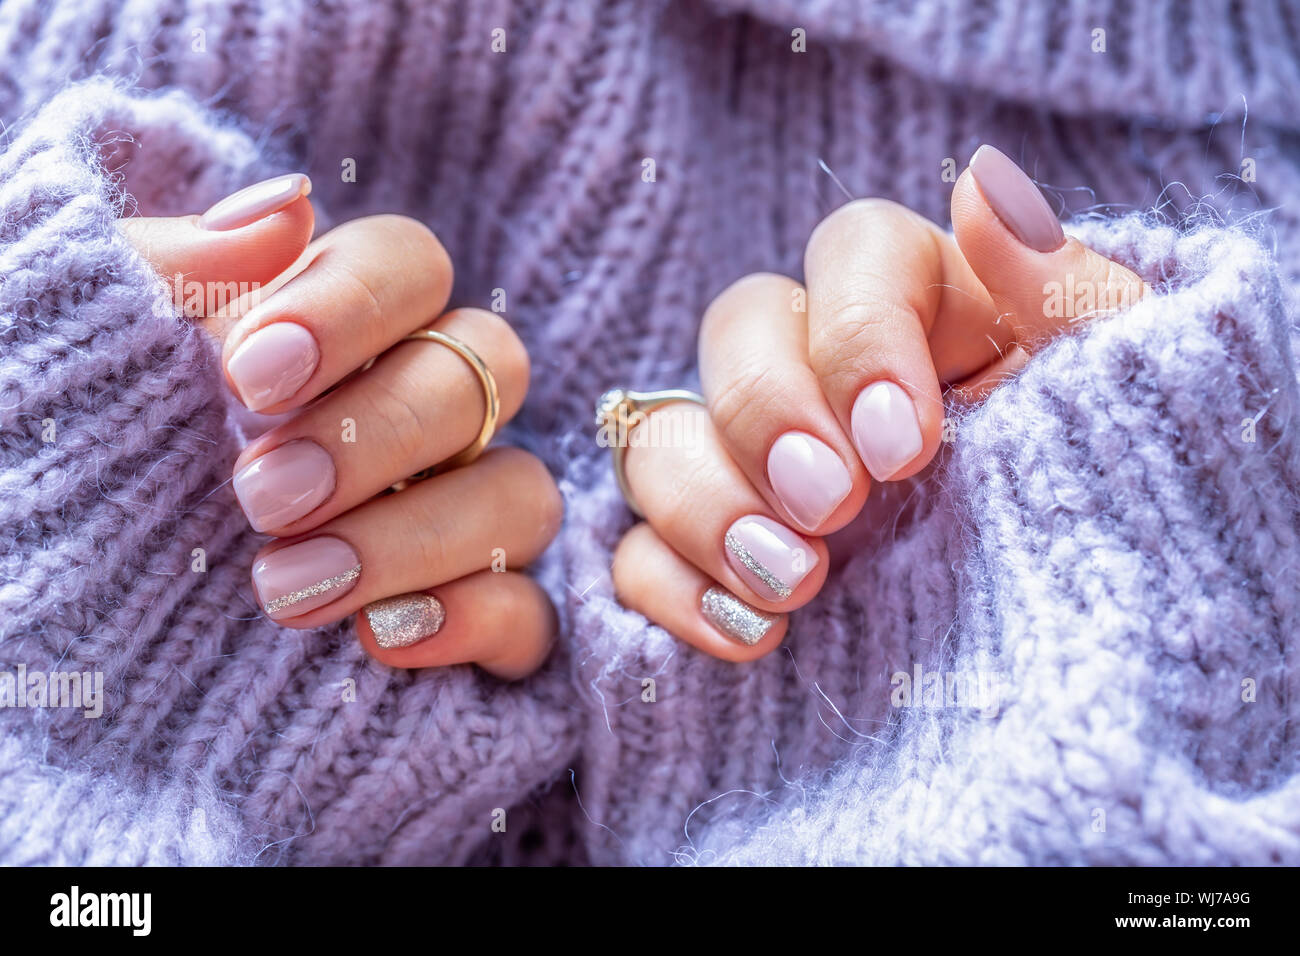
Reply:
x=1073, y=640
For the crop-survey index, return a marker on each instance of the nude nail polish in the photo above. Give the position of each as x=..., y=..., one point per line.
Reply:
x=734, y=618
x=405, y=620
x=1015, y=200
x=305, y=576
x=808, y=477
x=769, y=557
x=886, y=431
x=271, y=364
x=255, y=202
x=284, y=484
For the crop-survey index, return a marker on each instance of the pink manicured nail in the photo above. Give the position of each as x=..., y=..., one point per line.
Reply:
x=255, y=202
x=284, y=484
x=808, y=477
x=1015, y=200
x=272, y=364
x=885, y=429
x=305, y=576
x=770, y=558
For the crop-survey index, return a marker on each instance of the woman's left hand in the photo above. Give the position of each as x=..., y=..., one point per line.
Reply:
x=816, y=390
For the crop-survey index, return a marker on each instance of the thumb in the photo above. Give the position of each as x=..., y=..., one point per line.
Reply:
x=234, y=249
x=1040, y=280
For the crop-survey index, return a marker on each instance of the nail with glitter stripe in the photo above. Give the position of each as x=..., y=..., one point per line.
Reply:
x=305, y=576
x=405, y=620
x=769, y=557
x=734, y=618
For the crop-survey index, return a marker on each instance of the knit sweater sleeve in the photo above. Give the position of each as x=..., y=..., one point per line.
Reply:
x=1065, y=643
x=94, y=432
x=220, y=737
x=1111, y=539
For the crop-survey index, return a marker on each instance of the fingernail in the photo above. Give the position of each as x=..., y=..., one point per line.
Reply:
x=885, y=429
x=284, y=484
x=305, y=576
x=272, y=364
x=405, y=620
x=734, y=618
x=255, y=202
x=808, y=477
x=770, y=558
x=1015, y=200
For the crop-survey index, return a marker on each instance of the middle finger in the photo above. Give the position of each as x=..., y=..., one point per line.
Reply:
x=420, y=404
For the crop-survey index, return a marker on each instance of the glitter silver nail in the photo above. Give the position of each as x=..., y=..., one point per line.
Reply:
x=734, y=618
x=774, y=584
x=406, y=619
x=320, y=587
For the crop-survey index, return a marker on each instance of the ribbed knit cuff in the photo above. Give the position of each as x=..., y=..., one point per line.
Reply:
x=108, y=425
x=110, y=408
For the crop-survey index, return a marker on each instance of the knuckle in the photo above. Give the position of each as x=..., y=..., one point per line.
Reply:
x=852, y=330
x=685, y=500
x=753, y=394
x=729, y=302
x=398, y=404
x=510, y=360
x=361, y=295
x=431, y=546
x=859, y=311
x=853, y=217
x=536, y=485
x=550, y=506
x=420, y=240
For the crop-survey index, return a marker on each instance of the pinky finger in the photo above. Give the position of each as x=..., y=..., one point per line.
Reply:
x=501, y=621
x=652, y=578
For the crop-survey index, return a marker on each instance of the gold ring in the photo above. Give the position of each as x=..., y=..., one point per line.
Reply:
x=618, y=412
x=491, y=398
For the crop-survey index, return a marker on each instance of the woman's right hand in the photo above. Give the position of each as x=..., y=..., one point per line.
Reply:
x=434, y=568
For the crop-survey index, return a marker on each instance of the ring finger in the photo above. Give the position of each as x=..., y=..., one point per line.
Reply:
x=700, y=502
x=652, y=578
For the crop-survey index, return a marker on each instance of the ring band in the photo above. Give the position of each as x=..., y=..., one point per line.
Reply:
x=491, y=398
x=618, y=412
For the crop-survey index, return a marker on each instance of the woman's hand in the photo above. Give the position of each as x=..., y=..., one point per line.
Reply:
x=429, y=559
x=815, y=390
